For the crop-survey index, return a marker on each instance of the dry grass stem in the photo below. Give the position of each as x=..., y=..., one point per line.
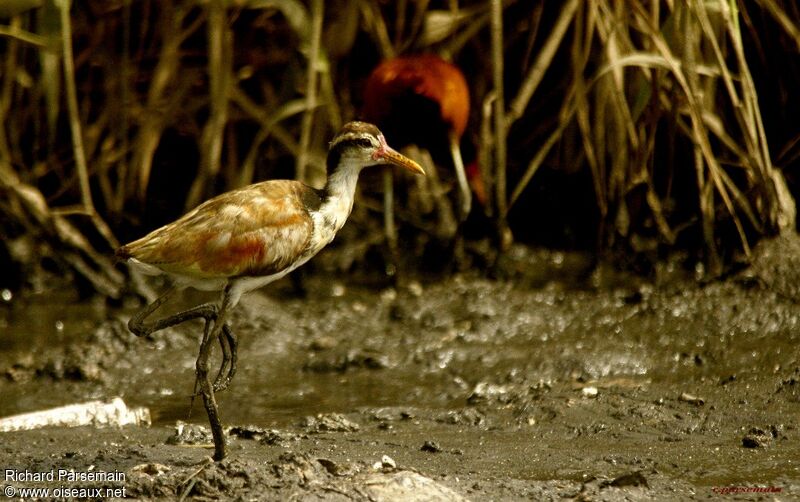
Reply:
x=542, y=62
x=651, y=110
x=500, y=129
x=312, y=77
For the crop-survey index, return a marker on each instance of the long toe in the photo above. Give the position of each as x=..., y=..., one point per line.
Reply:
x=221, y=380
x=230, y=357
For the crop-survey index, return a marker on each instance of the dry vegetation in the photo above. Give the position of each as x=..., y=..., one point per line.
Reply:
x=117, y=115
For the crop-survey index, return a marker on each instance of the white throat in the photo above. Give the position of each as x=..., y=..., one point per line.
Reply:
x=338, y=201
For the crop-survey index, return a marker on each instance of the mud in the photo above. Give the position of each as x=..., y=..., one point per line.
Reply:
x=561, y=379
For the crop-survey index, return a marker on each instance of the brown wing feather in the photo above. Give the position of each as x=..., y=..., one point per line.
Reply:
x=257, y=230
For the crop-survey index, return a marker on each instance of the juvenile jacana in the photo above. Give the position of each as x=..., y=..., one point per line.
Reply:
x=246, y=238
x=424, y=100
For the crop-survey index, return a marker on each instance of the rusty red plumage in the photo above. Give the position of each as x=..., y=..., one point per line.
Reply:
x=426, y=75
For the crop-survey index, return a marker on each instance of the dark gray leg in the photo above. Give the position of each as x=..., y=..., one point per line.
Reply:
x=206, y=389
x=227, y=340
x=229, y=344
x=137, y=325
x=207, y=312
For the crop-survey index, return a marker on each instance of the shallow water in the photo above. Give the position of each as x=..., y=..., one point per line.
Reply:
x=537, y=384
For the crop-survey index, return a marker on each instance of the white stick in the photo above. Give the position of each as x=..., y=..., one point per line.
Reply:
x=96, y=413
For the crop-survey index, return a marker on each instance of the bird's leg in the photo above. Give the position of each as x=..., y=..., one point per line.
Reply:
x=207, y=312
x=136, y=323
x=229, y=344
x=465, y=202
x=465, y=194
x=206, y=389
x=206, y=327
x=220, y=332
x=227, y=340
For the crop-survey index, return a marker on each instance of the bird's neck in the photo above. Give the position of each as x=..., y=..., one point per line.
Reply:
x=338, y=194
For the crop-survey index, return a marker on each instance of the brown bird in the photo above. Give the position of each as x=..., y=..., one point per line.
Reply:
x=424, y=100
x=246, y=238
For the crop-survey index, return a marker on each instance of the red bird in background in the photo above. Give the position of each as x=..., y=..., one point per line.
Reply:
x=422, y=100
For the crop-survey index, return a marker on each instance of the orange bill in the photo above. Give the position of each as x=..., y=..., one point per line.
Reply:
x=392, y=156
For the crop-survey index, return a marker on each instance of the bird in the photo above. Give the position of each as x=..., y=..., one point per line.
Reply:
x=245, y=239
x=422, y=99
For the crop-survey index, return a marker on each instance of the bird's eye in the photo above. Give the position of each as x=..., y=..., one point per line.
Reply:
x=364, y=143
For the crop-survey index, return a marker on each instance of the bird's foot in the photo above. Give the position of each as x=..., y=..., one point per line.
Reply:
x=214, y=422
x=191, y=479
x=230, y=356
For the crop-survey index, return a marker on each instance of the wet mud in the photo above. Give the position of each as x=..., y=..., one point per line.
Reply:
x=561, y=379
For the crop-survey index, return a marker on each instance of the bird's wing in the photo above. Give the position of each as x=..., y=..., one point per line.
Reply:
x=257, y=230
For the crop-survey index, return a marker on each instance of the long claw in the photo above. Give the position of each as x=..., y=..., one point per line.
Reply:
x=229, y=344
x=221, y=332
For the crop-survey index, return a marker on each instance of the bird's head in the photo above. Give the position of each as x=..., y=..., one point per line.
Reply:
x=363, y=144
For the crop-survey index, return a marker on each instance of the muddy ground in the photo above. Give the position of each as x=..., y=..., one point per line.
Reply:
x=559, y=380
